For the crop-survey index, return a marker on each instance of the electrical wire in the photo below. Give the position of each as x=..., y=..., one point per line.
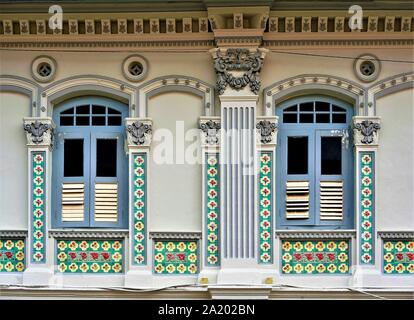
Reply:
x=200, y=51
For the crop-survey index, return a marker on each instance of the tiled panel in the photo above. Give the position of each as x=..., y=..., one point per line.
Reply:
x=175, y=257
x=265, y=208
x=212, y=218
x=315, y=256
x=12, y=255
x=89, y=256
x=398, y=257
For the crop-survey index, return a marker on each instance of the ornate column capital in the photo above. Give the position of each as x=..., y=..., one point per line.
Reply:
x=366, y=130
x=139, y=132
x=210, y=131
x=237, y=68
x=40, y=132
x=266, y=128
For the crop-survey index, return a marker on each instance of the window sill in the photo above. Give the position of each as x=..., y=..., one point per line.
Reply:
x=315, y=234
x=89, y=233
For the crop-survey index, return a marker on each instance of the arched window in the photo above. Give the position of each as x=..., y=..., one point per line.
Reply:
x=89, y=164
x=314, y=164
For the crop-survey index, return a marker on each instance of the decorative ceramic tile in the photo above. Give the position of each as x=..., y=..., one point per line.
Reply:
x=212, y=210
x=366, y=199
x=389, y=24
x=398, y=257
x=7, y=27
x=89, y=256
x=154, y=25
x=372, y=24
x=323, y=24
x=315, y=257
x=38, y=219
x=406, y=24
x=175, y=257
x=238, y=20
x=12, y=256
x=265, y=208
x=89, y=26
x=139, y=209
x=339, y=24
x=24, y=27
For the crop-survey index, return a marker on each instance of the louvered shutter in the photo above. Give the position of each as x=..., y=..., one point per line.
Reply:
x=331, y=200
x=73, y=202
x=106, y=202
x=297, y=199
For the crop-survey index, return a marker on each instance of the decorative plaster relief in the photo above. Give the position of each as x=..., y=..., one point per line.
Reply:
x=89, y=256
x=398, y=256
x=315, y=256
x=12, y=254
x=139, y=131
x=175, y=257
x=210, y=131
x=267, y=130
x=366, y=130
x=39, y=131
x=238, y=60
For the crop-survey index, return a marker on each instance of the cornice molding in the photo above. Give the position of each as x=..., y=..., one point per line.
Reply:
x=88, y=234
x=320, y=234
x=13, y=233
x=175, y=235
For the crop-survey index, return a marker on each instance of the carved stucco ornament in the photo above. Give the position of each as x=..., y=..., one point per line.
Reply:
x=238, y=60
x=39, y=131
x=210, y=129
x=367, y=129
x=266, y=129
x=138, y=131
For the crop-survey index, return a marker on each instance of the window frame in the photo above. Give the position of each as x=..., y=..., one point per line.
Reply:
x=89, y=134
x=314, y=132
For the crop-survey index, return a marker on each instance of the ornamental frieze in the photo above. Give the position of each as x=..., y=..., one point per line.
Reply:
x=238, y=68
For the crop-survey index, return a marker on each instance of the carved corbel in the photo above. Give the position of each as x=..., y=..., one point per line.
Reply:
x=139, y=132
x=39, y=131
x=267, y=128
x=366, y=130
x=210, y=131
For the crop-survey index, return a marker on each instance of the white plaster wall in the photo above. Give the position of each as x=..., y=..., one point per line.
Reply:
x=175, y=189
x=395, y=162
x=13, y=161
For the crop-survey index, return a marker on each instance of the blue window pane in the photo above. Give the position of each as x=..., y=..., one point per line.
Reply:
x=297, y=155
x=73, y=158
x=331, y=155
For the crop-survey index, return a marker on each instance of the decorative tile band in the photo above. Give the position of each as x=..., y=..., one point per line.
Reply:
x=315, y=257
x=89, y=256
x=265, y=208
x=175, y=257
x=366, y=197
x=212, y=189
x=398, y=257
x=38, y=219
x=139, y=209
x=12, y=256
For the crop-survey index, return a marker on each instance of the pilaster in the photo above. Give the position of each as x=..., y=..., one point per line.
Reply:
x=40, y=138
x=366, y=269
x=139, y=133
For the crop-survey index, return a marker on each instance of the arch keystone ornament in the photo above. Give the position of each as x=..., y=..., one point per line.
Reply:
x=366, y=140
